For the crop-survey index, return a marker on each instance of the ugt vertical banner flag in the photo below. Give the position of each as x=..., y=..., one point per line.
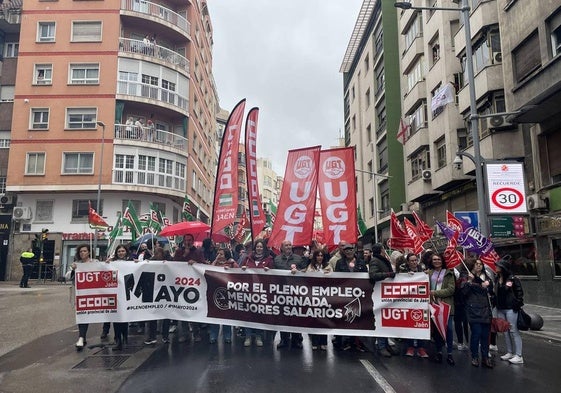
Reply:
x=337, y=195
x=256, y=215
x=226, y=188
x=295, y=215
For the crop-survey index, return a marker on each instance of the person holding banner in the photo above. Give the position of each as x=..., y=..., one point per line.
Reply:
x=412, y=266
x=319, y=263
x=379, y=269
x=442, y=288
x=224, y=259
x=478, y=294
x=120, y=329
x=259, y=258
x=287, y=260
x=82, y=256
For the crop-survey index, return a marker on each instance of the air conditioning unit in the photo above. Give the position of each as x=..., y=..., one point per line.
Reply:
x=499, y=121
x=427, y=174
x=497, y=57
x=7, y=200
x=22, y=213
x=536, y=202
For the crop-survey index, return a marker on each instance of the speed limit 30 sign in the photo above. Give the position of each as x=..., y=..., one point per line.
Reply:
x=505, y=182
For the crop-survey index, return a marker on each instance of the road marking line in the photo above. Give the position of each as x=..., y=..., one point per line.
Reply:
x=380, y=380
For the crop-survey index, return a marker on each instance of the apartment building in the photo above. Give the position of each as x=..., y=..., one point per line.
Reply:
x=531, y=59
x=116, y=99
x=372, y=113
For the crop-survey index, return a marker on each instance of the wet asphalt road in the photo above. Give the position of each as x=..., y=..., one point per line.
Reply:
x=206, y=368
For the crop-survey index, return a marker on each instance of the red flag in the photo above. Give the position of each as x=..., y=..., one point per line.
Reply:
x=226, y=188
x=240, y=231
x=337, y=195
x=95, y=220
x=490, y=258
x=452, y=256
x=424, y=230
x=402, y=132
x=295, y=215
x=399, y=239
x=256, y=215
x=453, y=222
x=414, y=235
x=440, y=312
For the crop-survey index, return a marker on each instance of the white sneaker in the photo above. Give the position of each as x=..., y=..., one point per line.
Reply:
x=462, y=347
x=247, y=342
x=80, y=343
x=258, y=341
x=493, y=348
x=507, y=356
x=516, y=359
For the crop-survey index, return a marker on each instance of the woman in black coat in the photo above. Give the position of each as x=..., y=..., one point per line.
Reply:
x=478, y=295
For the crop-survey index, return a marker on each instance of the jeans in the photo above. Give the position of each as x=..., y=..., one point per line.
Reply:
x=512, y=336
x=382, y=342
x=83, y=330
x=214, y=329
x=439, y=341
x=479, y=337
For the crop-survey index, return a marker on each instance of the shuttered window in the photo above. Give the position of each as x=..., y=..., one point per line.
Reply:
x=86, y=31
x=527, y=57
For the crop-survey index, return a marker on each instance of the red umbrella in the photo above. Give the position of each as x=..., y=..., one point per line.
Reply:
x=185, y=228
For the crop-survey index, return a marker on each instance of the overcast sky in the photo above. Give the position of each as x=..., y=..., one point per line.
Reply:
x=284, y=57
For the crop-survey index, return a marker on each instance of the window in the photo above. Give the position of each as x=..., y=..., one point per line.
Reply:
x=81, y=118
x=418, y=119
x=367, y=98
x=39, y=119
x=149, y=87
x=440, y=146
x=435, y=50
x=46, y=32
x=371, y=206
x=353, y=93
x=416, y=74
x=180, y=170
x=366, y=64
x=380, y=80
x=80, y=209
x=3, y=184
x=44, y=211
x=382, y=153
x=146, y=170
x=167, y=91
x=369, y=133
x=11, y=49
x=381, y=117
x=7, y=93
x=379, y=44
x=124, y=168
x=43, y=74
x=35, y=164
x=415, y=30
x=4, y=143
x=554, y=27
x=86, y=31
x=165, y=170
x=384, y=205
x=354, y=122
x=419, y=161
x=84, y=74
x=77, y=164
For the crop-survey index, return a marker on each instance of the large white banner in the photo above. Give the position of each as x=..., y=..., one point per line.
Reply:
x=337, y=303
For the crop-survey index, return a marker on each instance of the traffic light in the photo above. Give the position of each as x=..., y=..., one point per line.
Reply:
x=44, y=234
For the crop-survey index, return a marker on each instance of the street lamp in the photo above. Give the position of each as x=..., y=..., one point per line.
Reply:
x=473, y=117
x=102, y=125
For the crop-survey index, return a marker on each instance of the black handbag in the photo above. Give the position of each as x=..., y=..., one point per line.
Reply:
x=524, y=320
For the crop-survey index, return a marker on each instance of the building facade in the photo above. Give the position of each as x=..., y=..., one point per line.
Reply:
x=372, y=115
x=116, y=103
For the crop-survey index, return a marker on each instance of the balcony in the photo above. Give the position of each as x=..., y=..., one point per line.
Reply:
x=155, y=137
x=417, y=93
x=157, y=12
x=157, y=52
x=146, y=92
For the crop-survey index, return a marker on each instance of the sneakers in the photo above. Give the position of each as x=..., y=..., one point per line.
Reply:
x=247, y=342
x=410, y=352
x=150, y=341
x=80, y=344
x=422, y=353
x=103, y=336
x=493, y=348
x=314, y=347
x=212, y=341
x=323, y=347
x=258, y=341
x=507, y=356
x=172, y=328
x=516, y=359
x=462, y=347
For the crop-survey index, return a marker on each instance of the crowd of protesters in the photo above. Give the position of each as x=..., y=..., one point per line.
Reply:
x=474, y=292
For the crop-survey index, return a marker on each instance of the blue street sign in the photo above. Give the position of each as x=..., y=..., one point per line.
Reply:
x=469, y=216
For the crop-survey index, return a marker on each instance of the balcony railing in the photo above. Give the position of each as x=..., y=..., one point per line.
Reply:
x=157, y=93
x=157, y=11
x=150, y=135
x=155, y=51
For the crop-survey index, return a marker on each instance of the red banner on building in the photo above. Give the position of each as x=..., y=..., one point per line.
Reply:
x=337, y=194
x=295, y=214
x=226, y=188
x=256, y=214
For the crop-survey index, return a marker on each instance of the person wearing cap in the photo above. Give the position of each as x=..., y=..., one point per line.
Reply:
x=510, y=298
x=379, y=269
